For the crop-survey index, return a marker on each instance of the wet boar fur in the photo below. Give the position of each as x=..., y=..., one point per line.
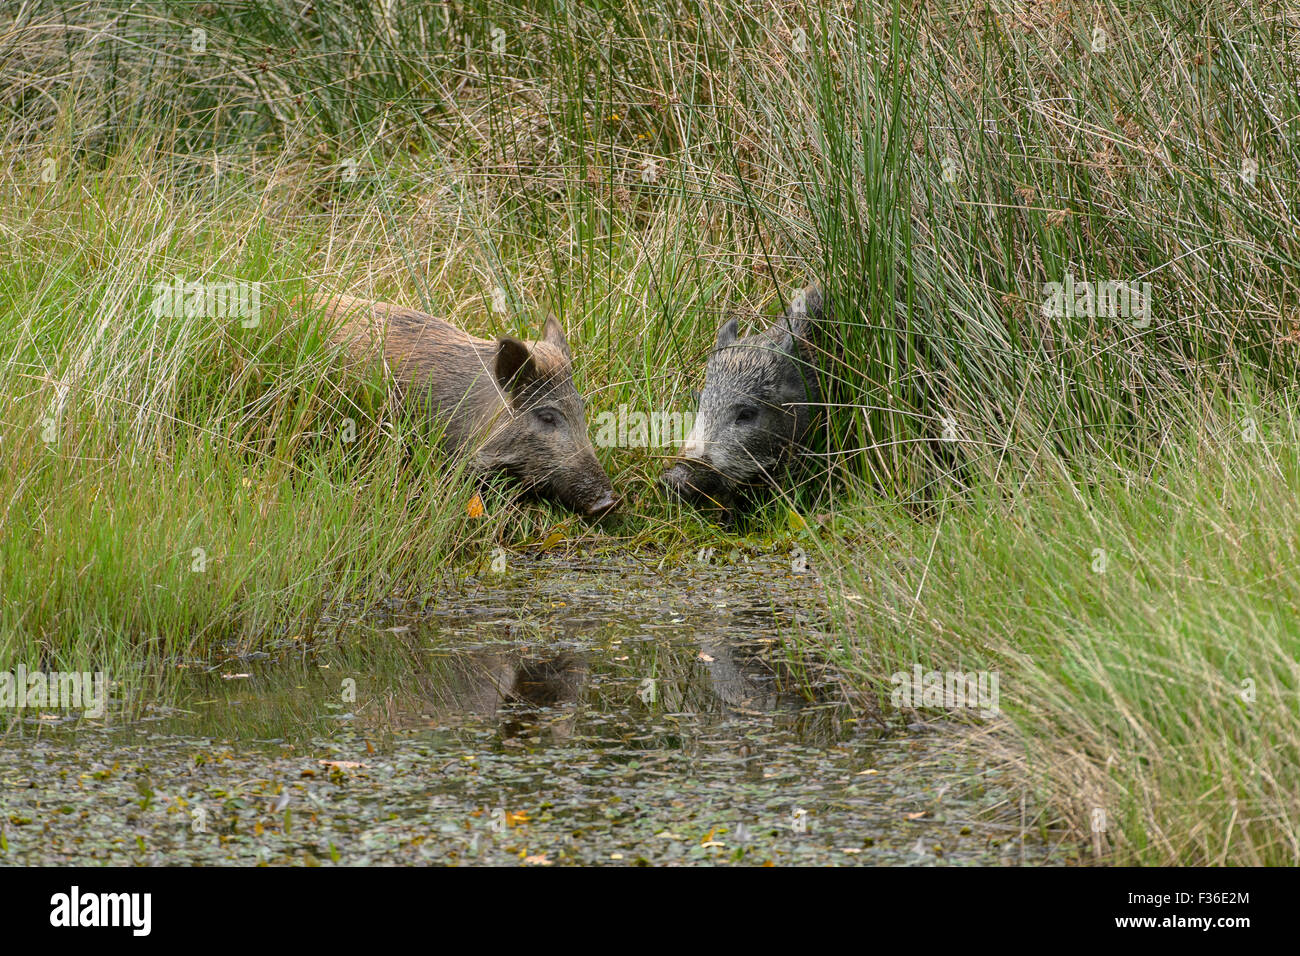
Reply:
x=510, y=405
x=756, y=412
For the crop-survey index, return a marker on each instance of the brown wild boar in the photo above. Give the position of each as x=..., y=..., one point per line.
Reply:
x=510, y=405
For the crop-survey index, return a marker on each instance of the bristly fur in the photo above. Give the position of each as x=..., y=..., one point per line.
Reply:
x=760, y=400
x=510, y=405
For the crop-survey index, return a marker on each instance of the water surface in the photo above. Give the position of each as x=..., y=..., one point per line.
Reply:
x=598, y=710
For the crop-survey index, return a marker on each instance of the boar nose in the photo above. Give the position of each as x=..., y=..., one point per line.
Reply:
x=606, y=504
x=674, y=479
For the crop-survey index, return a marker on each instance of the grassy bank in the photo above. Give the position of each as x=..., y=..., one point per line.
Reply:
x=1142, y=626
x=171, y=482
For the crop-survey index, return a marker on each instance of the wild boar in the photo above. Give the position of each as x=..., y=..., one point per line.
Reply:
x=510, y=405
x=760, y=401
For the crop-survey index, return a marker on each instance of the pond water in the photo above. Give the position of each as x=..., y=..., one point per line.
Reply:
x=598, y=710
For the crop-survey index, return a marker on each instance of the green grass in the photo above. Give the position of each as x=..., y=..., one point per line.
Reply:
x=1142, y=625
x=644, y=174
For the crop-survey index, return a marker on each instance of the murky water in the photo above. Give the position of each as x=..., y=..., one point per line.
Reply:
x=565, y=711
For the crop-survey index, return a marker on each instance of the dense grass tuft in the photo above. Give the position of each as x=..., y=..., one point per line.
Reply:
x=1142, y=627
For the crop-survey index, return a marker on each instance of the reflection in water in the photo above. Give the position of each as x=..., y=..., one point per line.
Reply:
x=534, y=692
x=521, y=692
x=586, y=712
x=587, y=657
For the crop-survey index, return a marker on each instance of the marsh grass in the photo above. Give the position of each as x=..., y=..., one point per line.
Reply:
x=645, y=174
x=1142, y=626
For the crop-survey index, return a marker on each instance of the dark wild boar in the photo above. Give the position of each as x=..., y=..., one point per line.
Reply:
x=510, y=405
x=760, y=400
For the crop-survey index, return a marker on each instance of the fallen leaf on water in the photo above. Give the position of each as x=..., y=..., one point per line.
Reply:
x=915, y=816
x=552, y=539
x=514, y=819
x=538, y=860
x=341, y=764
x=863, y=773
x=706, y=658
x=475, y=507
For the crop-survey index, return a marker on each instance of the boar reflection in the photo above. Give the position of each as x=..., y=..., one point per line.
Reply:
x=528, y=694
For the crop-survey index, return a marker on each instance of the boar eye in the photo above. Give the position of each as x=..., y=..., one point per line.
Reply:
x=746, y=414
x=547, y=417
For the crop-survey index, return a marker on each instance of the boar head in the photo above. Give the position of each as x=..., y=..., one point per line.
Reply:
x=539, y=437
x=755, y=411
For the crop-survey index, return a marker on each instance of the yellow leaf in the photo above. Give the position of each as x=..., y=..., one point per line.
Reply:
x=475, y=507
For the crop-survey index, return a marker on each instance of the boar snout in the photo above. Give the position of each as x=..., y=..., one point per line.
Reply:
x=593, y=496
x=603, y=507
x=580, y=483
x=697, y=483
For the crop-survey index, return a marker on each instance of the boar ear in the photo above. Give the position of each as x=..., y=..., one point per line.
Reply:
x=806, y=306
x=790, y=330
x=727, y=334
x=514, y=364
x=809, y=302
x=553, y=333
